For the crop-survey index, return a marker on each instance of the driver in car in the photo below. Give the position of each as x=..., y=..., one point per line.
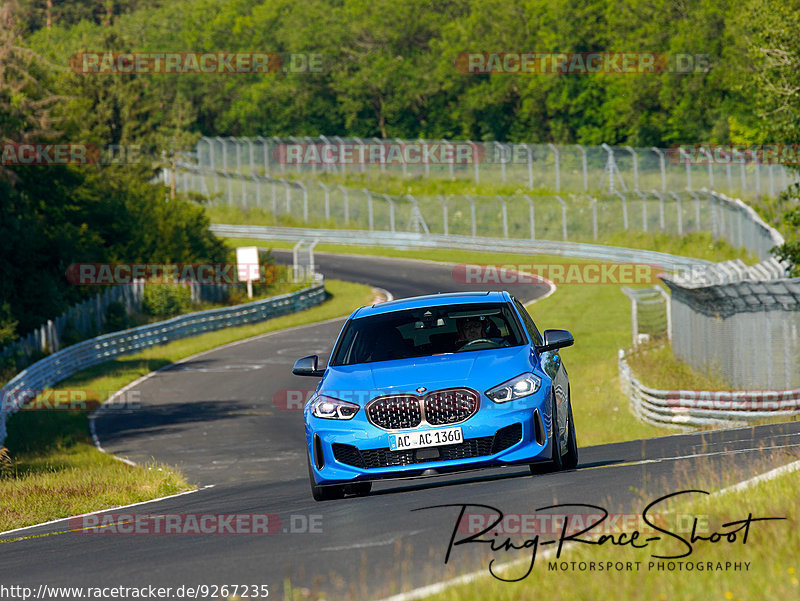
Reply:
x=472, y=329
x=469, y=329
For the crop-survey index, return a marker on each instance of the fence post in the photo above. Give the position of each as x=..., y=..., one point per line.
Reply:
x=450, y=163
x=305, y=201
x=680, y=213
x=257, y=182
x=327, y=201
x=662, y=166
x=771, y=181
x=265, y=149
x=383, y=158
x=563, y=217
x=742, y=174
x=221, y=140
x=625, y=208
x=710, y=167
x=635, y=167
x=391, y=211
x=728, y=176
x=444, y=213
x=281, y=153
x=500, y=154
x=685, y=156
x=361, y=156
x=558, y=174
x=229, y=188
x=594, y=216
x=288, y=188
x=611, y=165
x=342, y=163
x=369, y=207
x=404, y=167
x=210, y=151
x=660, y=209
x=758, y=174
x=505, y=216
x=323, y=164
x=472, y=214
x=426, y=165
x=346, y=203
x=531, y=216
x=698, y=223
x=584, y=167
x=643, y=196
x=530, y=165
x=475, y=160
x=250, y=148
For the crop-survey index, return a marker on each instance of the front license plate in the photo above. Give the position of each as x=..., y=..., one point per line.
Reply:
x=425, y=438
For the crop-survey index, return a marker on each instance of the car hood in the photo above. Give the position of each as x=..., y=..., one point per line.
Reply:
x=476, y=369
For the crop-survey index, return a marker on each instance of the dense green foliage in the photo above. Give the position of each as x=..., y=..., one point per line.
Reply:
x=162, y=300
x=389, y=69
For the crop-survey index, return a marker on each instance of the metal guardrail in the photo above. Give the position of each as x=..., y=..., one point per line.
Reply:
x=419, y=240
x=687, y=409
x=54, y=368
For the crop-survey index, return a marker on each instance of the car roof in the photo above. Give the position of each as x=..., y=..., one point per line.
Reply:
x=432, y=300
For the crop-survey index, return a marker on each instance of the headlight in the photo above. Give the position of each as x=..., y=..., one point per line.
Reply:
x=328, y=407
x=516, y=388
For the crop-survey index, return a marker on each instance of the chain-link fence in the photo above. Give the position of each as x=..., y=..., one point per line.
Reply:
x=740, y=323
x=573, y=217
x=559, y=168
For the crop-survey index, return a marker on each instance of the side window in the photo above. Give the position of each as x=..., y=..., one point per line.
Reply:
x=529, y=325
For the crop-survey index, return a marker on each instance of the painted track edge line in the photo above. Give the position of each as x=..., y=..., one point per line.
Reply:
x=178, y=494
x=765, y=477
x=438, y=587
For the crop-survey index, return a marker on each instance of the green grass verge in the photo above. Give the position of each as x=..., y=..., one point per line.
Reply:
x=55, y=469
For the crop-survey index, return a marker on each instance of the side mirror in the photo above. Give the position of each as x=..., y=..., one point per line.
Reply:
x=307, y=366
x=555, y=339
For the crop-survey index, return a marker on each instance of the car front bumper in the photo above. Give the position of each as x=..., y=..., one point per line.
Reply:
x=343, y=451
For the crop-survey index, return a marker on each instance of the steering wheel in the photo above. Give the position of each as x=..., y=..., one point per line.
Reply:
x=476, y=341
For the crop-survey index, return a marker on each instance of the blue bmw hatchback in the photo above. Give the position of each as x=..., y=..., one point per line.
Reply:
x=435, y=384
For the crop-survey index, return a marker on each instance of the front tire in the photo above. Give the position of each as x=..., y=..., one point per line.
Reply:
x=323, y=493
x=555, y=464
x=570, y=460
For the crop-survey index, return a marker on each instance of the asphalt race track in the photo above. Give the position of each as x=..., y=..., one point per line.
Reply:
x=222, y=418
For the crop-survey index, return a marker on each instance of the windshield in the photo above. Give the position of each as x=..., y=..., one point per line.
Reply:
x=427, y=331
